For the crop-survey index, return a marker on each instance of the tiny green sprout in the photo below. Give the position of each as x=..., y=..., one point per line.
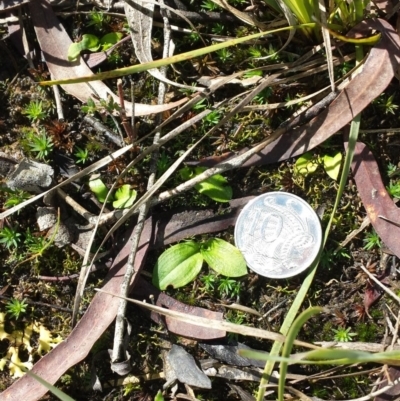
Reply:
x=386, y=104
x=10, y=238
x=209, y=5
x=35, y=111
x=201, y=105
x=15, y=307
x=163, y=163
x=228, y=287
x=262, y=97
x=255, y=51
x=224, y=54
x=90, y=107
x=394, y=190
x=343, y=335
x=42, y=145
x=98, y=20
x=372, y=241
x=212, y=118
x=14, y=198
x=218, y=29
x=82, y=155
x=209, y=281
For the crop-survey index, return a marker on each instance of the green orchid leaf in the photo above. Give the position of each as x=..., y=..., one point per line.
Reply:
x=213, y=190
x=332, y=165
x=214, y=187
x=88, y=42
x=224, y=258
x=178, y=265
x=110, y=39
x=306, y=164
x=186, y=173
x=124, y=197
x=74, y=51
x=99, y=189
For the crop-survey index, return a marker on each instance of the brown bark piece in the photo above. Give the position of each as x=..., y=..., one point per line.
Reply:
x=375, y=198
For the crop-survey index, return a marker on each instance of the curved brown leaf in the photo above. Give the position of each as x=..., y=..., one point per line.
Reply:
x=375, y=198
x=54, y=42
x=379, y=69
x=157, y=231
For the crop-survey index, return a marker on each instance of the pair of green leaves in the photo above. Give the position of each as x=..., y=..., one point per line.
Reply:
x=215, y=187
x=123, y=198
x=180, y=264
x=308, y=163
x=93, y=44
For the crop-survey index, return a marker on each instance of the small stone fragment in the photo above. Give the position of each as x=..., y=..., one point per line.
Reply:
x=63, y=236
x=185, y=368
x=31, y=176
x=46, y=217
x=229, y=354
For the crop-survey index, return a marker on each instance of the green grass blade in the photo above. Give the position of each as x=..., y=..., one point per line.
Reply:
x=287, y=348
x=169, y=60
x=57, y=392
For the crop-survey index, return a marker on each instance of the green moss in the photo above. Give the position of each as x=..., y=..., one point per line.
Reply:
x=367, y=332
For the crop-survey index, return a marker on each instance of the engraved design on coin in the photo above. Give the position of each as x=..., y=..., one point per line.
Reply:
x=279, y=234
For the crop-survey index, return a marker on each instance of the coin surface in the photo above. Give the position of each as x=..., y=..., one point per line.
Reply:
x=279, y=235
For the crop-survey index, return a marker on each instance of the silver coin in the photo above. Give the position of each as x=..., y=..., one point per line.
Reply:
x=279, y=235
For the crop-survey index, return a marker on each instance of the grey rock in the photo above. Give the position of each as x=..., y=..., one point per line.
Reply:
x=30, y=176
x=63, y=236
x=186, y=369
x=46, y=217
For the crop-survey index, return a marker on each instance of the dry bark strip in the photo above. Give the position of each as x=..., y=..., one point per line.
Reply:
x=378, y=70
x=54, y=42
x=375, y=198
x=103, y=308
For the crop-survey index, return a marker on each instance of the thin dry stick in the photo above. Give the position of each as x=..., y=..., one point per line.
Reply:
x=57, y=98
x=118, y=347
x=384, y=288
x=212, y=323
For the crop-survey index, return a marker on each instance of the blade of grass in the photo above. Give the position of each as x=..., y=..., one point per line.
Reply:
x=287, y=348
x=57, y=392
x=169, y=60
x=289, y=319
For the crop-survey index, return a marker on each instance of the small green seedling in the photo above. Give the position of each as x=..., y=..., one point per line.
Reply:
x=343, y=335
x=215, y=187
x=35, y=111
x=180, y=264
x=93, y=44
x=14, y=198
x=42, y=145
x=99, y=189
x=15, y=308
x=10, y=238
x=372, y=241
x=308, y=164
x=82, y=155
x=124, y=197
